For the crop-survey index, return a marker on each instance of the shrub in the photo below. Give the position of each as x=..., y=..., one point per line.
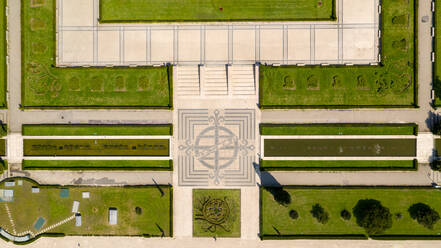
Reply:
x=372, y=216
x=424, y=215
x=398, y=216
x=345, y=214
x=293, y=214
x=138, y=210
x=320, y=214
x=280, y=195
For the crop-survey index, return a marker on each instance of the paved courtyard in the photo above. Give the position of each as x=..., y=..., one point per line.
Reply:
x=352, y=39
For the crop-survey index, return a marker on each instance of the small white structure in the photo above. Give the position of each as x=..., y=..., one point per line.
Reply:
x=113, y=216
x=20, y=182
x=78, y=221
x=10, y=184
x=35, y=190
x=86, y=195
x=8, y=193
x=75, y=206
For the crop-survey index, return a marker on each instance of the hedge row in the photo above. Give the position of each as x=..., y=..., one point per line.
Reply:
x=87, y=129
x=153, y=165
x=339, y=129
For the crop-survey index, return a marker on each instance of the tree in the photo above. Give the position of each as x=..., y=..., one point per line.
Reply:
x=319, y=213
x=345, y=214
x=280, y=195
x=293, y=214
x=424, y=214
x=372, y=216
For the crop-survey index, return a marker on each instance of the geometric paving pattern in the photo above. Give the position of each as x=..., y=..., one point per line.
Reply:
x=216, y=147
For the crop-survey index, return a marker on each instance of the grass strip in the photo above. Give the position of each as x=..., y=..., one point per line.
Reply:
x=96, y=147
x=325, y=165
x=339, y=129
x=46, y=86
x=276, y=220
x=48, y=129
x=393, y=83
x=214, y=10
x=98, y=165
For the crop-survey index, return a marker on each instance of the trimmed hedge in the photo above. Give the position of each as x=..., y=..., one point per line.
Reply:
x=154, y=165
x=338, y=165
x=86, y=129
x=339, y=129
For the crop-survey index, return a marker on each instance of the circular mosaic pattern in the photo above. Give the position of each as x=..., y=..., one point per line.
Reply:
x=216, y=211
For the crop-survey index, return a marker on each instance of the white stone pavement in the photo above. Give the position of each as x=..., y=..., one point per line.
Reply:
x=135, y=242
x=353, y=38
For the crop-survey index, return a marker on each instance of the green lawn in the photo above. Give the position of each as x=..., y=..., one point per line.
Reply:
x=96, y=147
x=97, y=165
x=216, y=213
x=215, y=10
x=275, y=217
x=54, y=129
x=45, y=86
x=3, y=54
x=393, y=83
x=339, y=147
x=27, y=207
x=3, y=166
x=282, y=165
x=338, y=129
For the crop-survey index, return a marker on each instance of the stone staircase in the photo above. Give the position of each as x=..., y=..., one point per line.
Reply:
x=242, y=80
x=214, y=81
x=187, y=81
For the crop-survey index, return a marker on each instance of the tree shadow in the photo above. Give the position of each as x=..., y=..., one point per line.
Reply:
x=158, y=187
x=161, y=230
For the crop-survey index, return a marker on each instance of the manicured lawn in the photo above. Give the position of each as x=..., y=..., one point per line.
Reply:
x=2, y=147
x=274, y=165
x=97, y=164
x=438, y=146
x=3, y=54
x=45, y=86
x=96, y=147
x=215, y=10
x=339, y=147
x=44, y=130
x=338, y=129
x=393, y=83
x=216, y=213
x=27, y=207
x=275, y=217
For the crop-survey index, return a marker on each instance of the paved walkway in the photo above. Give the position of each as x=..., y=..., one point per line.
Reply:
x=99, y=178
x=135, y=242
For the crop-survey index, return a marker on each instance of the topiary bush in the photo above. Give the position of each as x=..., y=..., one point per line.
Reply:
x=424, y=214
x=372, y=216
x=138, y=210
x=398, y=216
x=280, y=195
x=345, y=214
x=293, y=214
x=320, y=214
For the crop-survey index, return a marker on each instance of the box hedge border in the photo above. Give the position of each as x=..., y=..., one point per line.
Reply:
x=169, y=168
x=415, y=126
